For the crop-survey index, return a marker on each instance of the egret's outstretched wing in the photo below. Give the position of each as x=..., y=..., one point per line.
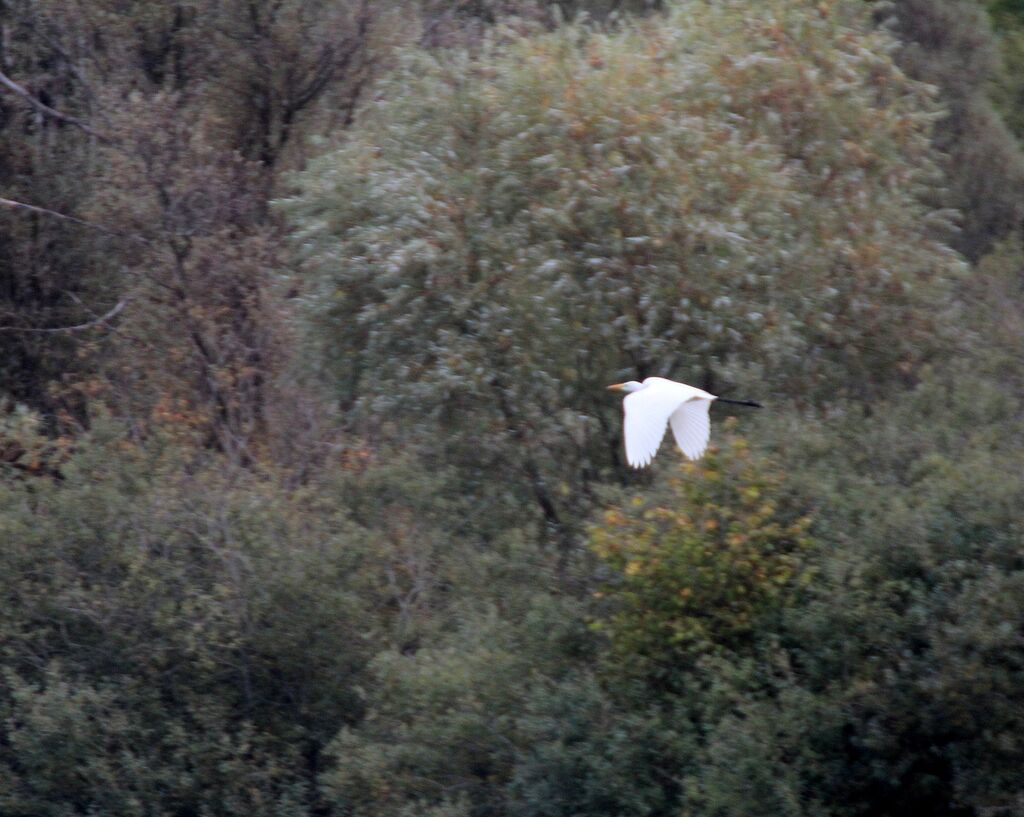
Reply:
x=692, y=427
x=647, y=412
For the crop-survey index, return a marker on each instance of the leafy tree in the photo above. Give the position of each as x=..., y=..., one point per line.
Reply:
x=590, y=750
x=699, y=561
x=720, y=191
x=442, y=733
x=237, y=582
x=697, y=574
x=1007, y=20
x=914, y=602
x=175, y=639
x=949, y=43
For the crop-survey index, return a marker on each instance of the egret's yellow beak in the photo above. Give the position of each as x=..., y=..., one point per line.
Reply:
x=616, y=386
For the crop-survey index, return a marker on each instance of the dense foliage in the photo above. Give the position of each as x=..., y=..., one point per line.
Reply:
x=312, y=501
x=492, y=245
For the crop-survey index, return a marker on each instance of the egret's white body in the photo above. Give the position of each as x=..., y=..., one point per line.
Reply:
x=656, y=403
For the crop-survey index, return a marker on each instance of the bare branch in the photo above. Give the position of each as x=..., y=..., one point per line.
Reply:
x=11, y=85
x=20, y=205
x=106, y=316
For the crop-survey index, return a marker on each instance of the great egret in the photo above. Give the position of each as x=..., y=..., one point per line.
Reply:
x=650, y=405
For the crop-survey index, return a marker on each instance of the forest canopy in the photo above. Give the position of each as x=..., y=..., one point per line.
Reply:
x=312, y=501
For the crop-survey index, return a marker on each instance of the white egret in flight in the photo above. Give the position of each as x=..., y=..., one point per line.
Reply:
x=650, y=405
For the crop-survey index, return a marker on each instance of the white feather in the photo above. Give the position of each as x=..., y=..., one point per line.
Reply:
x=648, y=411
x=691, y=427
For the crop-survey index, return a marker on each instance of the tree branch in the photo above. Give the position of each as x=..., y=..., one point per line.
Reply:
x=20, y=205
x=43, y=108
x=106, y=316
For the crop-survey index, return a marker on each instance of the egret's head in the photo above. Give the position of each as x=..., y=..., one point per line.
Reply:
x=628, y=386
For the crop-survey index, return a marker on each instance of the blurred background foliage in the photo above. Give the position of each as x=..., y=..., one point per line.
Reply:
x=311, y=499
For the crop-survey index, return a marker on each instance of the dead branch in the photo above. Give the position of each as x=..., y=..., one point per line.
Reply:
x=106, y=316
x=43, y=108
x=32, y=208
